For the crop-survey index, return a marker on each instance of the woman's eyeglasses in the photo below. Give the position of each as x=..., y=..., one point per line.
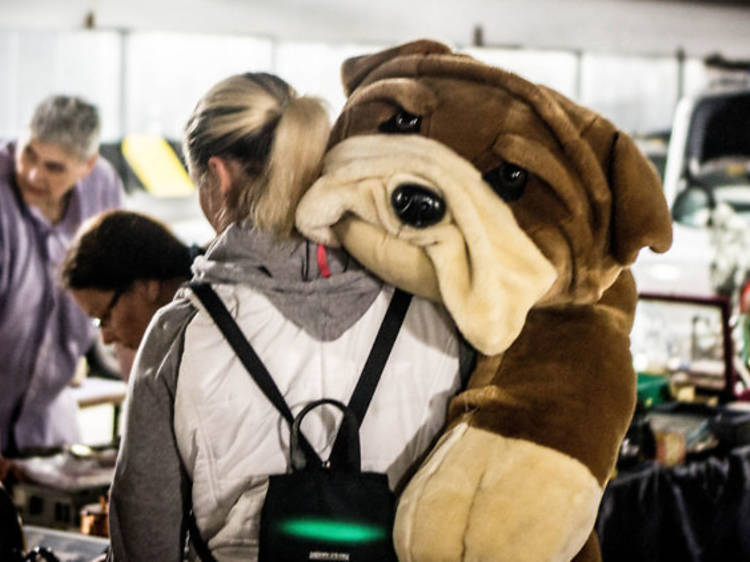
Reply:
x=103, y=320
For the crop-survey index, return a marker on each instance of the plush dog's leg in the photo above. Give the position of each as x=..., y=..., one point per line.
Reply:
x=520, y=474
x=484, y=497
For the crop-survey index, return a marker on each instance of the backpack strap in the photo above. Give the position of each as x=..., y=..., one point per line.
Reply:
x=373, y=369
x=248, y=357
x=194, y=534
x=381, y=350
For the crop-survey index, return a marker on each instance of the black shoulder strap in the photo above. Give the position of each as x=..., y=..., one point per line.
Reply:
x=373, y=369
x=379, y=354
x=200, y=546
x=247, y=355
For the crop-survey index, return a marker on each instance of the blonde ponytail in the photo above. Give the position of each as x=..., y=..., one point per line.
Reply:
x=279, y=139
x=294, y=163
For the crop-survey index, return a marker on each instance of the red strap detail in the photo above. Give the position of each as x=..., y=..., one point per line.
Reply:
x=323, y=261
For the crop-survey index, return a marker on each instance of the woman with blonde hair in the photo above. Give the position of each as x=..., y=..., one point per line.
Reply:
x=199, y=432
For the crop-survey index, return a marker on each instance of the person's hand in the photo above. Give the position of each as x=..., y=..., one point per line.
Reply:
x=5, y=468
x=9, y=471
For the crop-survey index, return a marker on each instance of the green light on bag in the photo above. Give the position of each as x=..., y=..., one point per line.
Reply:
x=327, y=530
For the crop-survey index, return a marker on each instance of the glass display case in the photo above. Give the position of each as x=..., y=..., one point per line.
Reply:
x=688, y=339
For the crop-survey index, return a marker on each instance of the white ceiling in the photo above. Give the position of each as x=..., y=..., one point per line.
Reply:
x=623, y=26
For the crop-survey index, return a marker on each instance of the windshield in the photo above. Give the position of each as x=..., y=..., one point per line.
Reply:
x=720, y=128
x=726, y=181
x=717, y=157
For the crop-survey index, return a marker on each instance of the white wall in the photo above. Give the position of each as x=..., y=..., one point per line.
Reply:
x=166, y=74
x=145, y=65
x=36, y=63
x=621, y=26
x=149, y=81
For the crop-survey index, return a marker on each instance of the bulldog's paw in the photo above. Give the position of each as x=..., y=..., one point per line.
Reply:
x=484, y=497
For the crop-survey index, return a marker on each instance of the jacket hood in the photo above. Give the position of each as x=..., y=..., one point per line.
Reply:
x=288, y=273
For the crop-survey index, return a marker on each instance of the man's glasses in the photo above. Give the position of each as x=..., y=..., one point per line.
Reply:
x=103, y=320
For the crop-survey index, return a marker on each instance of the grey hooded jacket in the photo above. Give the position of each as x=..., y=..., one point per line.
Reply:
x=150, y=493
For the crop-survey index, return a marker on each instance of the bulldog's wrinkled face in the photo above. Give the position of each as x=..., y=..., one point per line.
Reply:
x=519, y=158
x=430, y=219
x=467, y=184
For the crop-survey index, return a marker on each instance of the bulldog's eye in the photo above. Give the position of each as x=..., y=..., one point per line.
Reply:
x=508, y=181
x=402, y=123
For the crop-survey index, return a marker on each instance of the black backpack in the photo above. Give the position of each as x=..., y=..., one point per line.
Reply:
x=321, y=510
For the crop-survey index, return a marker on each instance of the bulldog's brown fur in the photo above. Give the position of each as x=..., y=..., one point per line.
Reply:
x=538, y=283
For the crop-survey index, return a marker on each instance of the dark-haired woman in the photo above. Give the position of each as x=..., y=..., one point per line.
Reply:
x=121, y=268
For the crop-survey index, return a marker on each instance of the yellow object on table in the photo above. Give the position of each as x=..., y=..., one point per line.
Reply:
x=157, y=166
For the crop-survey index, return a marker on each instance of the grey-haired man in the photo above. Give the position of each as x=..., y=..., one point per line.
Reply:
x=51, y=180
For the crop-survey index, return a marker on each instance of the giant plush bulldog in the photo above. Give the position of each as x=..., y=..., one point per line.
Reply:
x=521, y=212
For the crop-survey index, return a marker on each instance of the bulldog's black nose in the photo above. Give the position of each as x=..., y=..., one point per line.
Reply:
x=417, y=206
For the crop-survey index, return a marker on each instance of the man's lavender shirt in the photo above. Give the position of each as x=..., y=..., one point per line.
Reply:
x=43, y=333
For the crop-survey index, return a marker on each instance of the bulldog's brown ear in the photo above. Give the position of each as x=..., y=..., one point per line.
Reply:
x=640, y=216
x=355, y=69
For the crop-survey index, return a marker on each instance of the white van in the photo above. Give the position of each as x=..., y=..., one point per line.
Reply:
x=707, y=185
